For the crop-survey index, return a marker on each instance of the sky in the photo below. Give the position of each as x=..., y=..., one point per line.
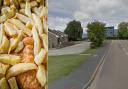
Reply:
x=111, y=12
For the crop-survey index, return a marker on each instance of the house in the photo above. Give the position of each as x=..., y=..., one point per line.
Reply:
x=63, y=37
x=53, y=40
x=110, y=31
x=57, y=39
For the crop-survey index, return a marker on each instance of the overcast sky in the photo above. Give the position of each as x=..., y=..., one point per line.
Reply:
x=111, y=12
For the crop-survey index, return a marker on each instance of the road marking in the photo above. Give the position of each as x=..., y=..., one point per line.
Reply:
x=85, y=54
x=94, y=83
x=87, y=85
x=95, y=55
x=124, y=49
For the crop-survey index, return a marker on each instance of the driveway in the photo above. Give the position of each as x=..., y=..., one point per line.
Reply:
x=75, y=49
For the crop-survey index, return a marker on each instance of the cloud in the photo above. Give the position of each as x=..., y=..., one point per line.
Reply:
x=58, y=23
x=79, y=15
x=111, y=12
x=64, y=7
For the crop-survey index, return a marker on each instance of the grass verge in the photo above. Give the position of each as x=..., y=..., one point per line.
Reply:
x=60, y=66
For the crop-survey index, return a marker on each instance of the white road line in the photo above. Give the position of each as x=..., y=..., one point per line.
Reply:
x=124, y=49
x=87, y=85
x=92, y=86
x=85, y=54
x=89, y=54
x=94, y=83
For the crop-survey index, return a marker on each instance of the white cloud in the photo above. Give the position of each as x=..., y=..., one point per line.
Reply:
x=58, y=23
x=110, y=11
x=78, y=15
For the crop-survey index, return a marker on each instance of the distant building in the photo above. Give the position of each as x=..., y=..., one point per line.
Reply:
x=110, y=31
x=84, y=36
x=116, y=32
x=57, y=39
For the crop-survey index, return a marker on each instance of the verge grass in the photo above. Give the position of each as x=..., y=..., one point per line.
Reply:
x=61, y=66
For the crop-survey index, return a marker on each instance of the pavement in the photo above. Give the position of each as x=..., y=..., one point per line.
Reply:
x=75, y=49
x=113, y=74
x=78, y=78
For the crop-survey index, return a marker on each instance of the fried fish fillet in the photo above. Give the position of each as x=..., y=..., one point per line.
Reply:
x=28, y=80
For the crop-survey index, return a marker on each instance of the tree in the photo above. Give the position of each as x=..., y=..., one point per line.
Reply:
x=123, y=30
x=74, y=30
x=96, y=33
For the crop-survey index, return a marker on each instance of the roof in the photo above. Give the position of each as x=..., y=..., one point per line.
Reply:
x=110, y=27
x=53, y=34
x=58, y=33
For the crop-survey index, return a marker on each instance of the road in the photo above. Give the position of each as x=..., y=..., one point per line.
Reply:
x=83, y=73
x=114, y=72
x=75, y=49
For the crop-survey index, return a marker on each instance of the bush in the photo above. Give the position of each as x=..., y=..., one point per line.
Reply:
x=123, y=30
x=96, y=33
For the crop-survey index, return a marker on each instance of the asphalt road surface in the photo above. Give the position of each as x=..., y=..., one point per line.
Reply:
x=114, y=72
